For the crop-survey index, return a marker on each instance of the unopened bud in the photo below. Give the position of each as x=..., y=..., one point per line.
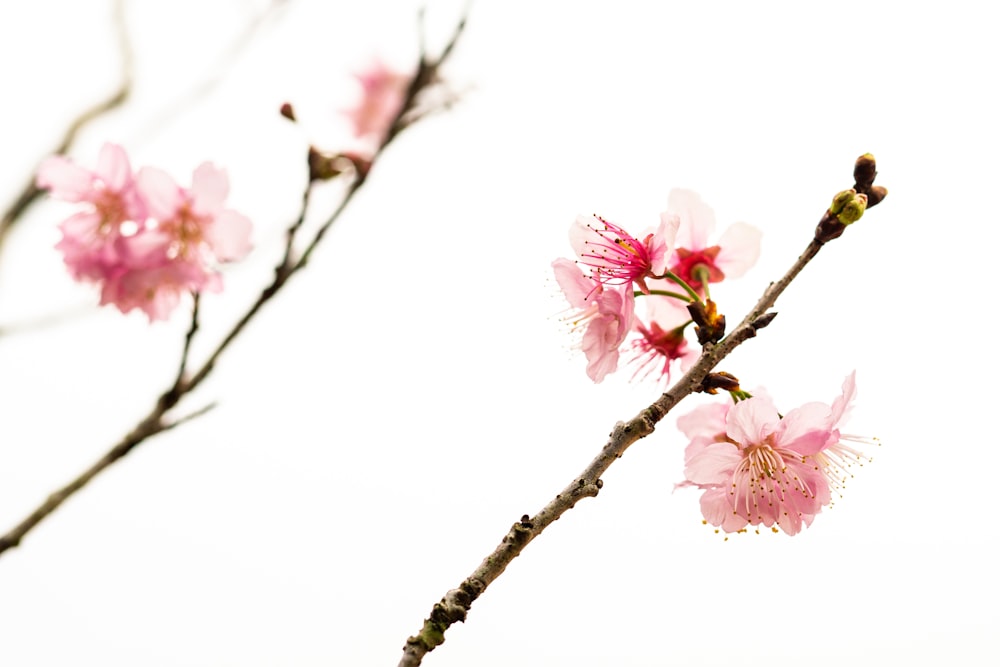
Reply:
x=322, y=167
x=876, y=194
x=841, y=200
x=287, y=111
x=713, y=382
x=864, y=172
x=710, y=325
x=853, y=210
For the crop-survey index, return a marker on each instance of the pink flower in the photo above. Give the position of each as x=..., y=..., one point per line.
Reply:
x=142, y=238
x=758, y=468
x=662, y=342
x=383, y=93
x=111, y=208
x=736, y=251
x=606, y=315
x=618, y=258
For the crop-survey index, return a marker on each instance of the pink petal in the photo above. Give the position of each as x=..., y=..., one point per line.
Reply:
x=113, y=167
x=576, y=286
x=583, y=238
x=600, y=347
x=159, y=191
x=806, y=429
x=209, y=189
x=64, y=179
x=662, y=243
x=704, y=421
x=713, y=464
x=229, y=236
x=697, y=219
x=749, y=422
x=739, y=249
x=842, y=404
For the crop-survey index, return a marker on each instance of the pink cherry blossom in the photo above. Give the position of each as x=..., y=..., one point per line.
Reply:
x=110, y=203
x=736, y=251
x=605, y=314
x=618, y=258
x=759, y=468
x=662, y=342
x=143, y=239
x=383, y=93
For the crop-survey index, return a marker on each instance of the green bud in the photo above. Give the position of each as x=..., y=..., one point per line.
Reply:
x=841, y=200
x=853, y=210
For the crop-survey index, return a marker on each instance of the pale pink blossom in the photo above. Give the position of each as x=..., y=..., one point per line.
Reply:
x=759, y=468
x=143, y=239
x=736, y=251
x=605, y=315
x=661, y=343
x=618, y=258
x=383, y=93
x=111, y=207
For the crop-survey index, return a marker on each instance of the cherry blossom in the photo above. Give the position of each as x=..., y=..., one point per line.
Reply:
x=605, y=315
x=736, y=251
x=110, y=208
x=142, y=238
x=660, y=343
x=383, y=93
x=759, y=468
x=618, y=258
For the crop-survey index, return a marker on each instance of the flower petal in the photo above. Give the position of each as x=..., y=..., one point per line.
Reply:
x=697, y=219
x=64, y=179
x=113, y=167
x=739, y=249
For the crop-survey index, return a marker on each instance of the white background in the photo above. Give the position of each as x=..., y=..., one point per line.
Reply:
x=410, y=395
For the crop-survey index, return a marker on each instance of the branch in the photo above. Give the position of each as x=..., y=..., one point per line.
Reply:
x=154, y=422
x=30, y=192
x=455, y=605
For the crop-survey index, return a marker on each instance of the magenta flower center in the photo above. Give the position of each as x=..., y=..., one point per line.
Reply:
x=690, y=263
x=617, y=257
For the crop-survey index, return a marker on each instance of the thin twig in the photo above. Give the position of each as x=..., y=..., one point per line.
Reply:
x=188, y=337
x=455, y=605
x=30, y=192
x=154, y=423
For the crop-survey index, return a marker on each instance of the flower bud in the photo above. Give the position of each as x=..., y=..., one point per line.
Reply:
x=853, y=210
x=287, y=111
x=864, y=172
x=710, y=325
x=876, y=194
x=841, y=200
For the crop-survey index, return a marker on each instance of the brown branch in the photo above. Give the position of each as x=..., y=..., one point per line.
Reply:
x=30, y=192
x=455, y=605
x=154, y=422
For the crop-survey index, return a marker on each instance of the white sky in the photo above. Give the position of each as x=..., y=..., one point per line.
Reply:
x=410, y=395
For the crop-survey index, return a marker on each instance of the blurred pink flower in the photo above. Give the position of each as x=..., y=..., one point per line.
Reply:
x=111, y=208
x=758, y=468
x=605, y=313
x=383, y=93
x=142, y=238
x=618, y=258
x=736, y=251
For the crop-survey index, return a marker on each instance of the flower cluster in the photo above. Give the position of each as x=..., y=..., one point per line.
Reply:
x=757, y=467
x=667, y=266
x=141, y=237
